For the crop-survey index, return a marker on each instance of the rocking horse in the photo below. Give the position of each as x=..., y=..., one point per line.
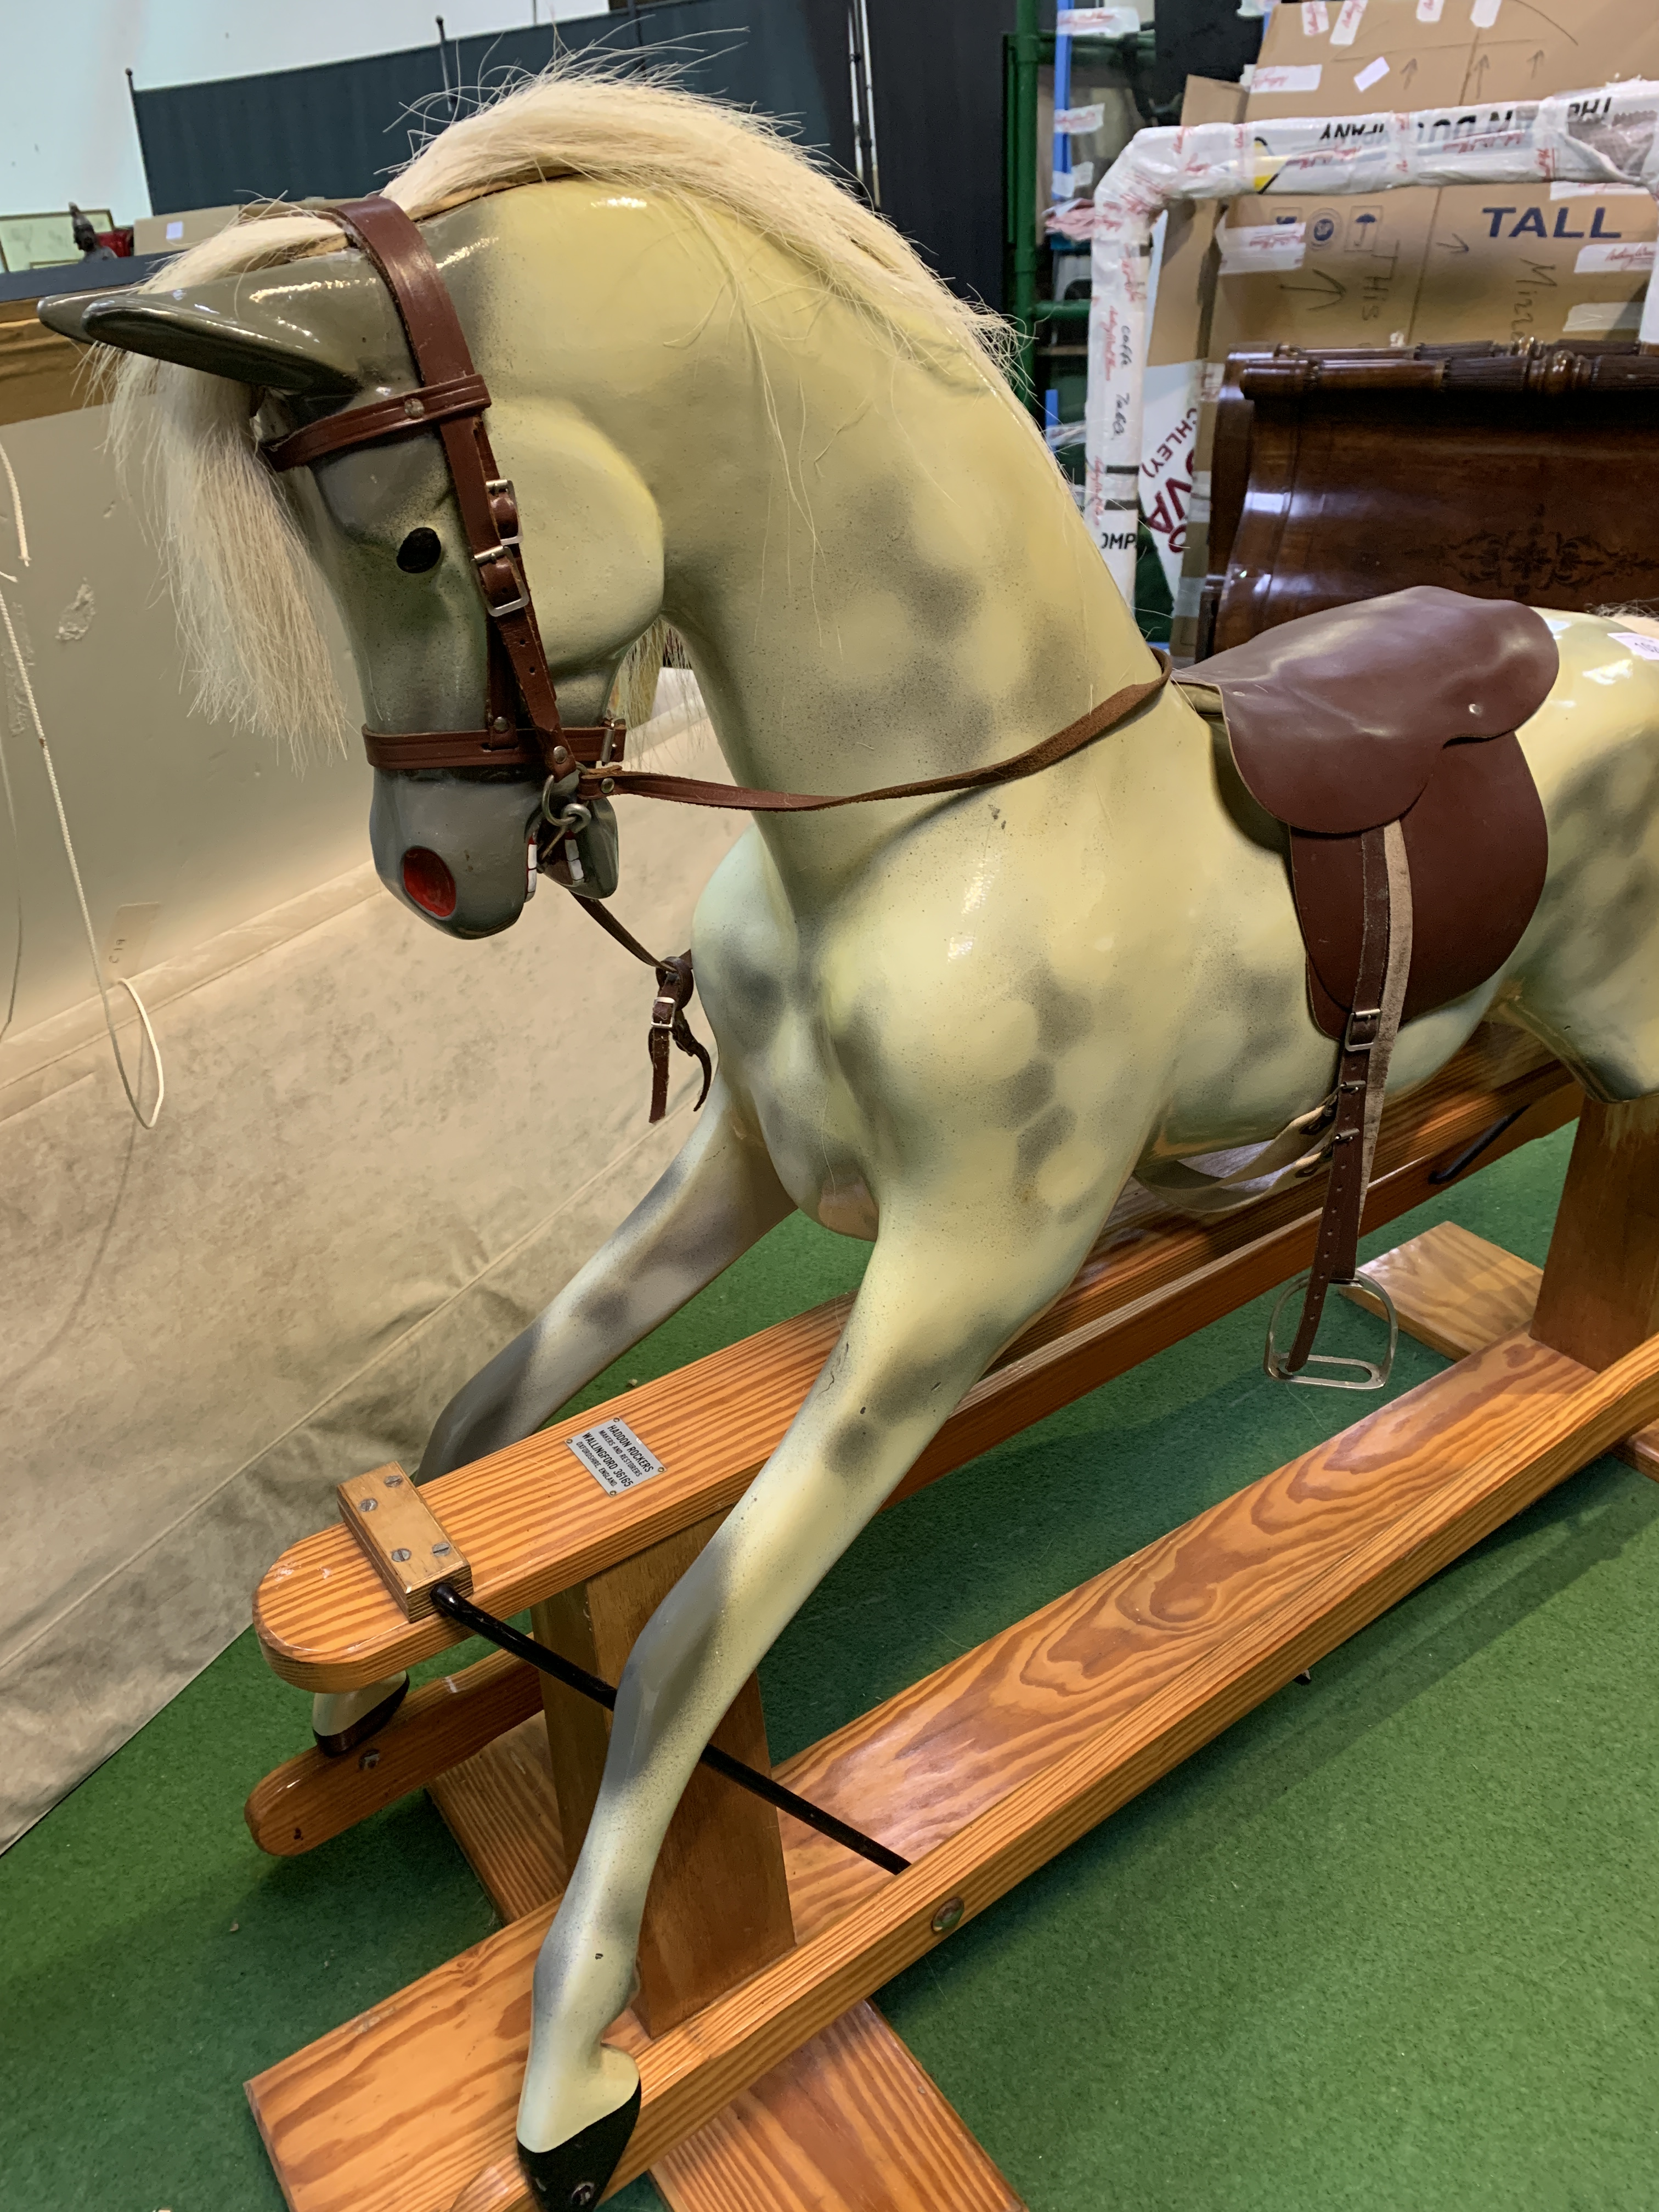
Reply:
x=1018, y=918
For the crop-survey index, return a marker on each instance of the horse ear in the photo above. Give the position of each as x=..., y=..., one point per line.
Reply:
x=320, y=328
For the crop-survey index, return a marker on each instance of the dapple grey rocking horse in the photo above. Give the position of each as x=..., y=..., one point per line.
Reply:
x=954, y=1023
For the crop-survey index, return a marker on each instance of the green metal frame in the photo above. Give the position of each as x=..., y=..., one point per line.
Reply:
x=1024, y=50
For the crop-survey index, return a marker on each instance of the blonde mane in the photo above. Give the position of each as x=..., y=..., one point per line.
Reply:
x=242, y=578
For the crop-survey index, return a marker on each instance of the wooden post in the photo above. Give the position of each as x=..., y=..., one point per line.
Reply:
x=717, y=1908
x=1600, y=1296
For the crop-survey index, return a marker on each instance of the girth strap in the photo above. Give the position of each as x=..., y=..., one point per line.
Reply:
x=1362, y=1074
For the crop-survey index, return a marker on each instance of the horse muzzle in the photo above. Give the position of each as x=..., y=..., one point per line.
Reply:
x=459, y=851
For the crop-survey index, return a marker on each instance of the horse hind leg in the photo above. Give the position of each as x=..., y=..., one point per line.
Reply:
x=718, y=1196
x=932, y=1312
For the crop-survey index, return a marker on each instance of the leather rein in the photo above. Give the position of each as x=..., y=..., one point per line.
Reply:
x=520, y=726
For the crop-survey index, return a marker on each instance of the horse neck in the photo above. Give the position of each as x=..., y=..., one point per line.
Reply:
x=880, y=571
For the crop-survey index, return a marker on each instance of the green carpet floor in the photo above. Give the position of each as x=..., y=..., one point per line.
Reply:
x=1392, y=1944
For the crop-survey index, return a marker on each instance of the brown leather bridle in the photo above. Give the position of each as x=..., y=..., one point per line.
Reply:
x=521, y=727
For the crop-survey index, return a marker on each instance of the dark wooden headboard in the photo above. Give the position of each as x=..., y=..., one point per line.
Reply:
x=1529, y=472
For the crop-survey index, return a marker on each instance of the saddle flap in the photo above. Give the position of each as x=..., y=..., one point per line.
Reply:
x=1337, y=720
x=1478, y=849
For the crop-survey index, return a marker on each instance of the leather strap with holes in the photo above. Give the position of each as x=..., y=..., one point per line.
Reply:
x=1336, y=1252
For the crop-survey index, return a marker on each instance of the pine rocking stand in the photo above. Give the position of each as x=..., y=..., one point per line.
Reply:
x=770, y=2082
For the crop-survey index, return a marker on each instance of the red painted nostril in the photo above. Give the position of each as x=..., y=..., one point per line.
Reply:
x=428, y=882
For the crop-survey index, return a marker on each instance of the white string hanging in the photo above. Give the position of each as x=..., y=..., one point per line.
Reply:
x=144, y=1121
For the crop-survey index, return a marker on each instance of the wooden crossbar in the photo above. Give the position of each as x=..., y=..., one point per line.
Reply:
x=533, y=1521
x=1023, y=1745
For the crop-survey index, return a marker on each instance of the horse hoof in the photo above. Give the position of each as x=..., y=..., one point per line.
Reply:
x=572, y=2175
x=367, y=1724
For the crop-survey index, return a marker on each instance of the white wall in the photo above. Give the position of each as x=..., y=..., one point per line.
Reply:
x=66, y=126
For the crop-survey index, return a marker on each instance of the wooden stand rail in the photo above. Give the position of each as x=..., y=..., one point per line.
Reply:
x=532, y=1520
x=768, y=2082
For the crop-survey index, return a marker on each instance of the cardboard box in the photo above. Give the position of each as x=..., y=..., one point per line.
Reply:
x=1528, y=51
x=1541, y=261
x=1419, y=265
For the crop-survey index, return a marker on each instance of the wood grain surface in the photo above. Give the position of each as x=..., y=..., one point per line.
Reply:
x=312, y=1797
x=1600, y=1295
x=717, y=1906
x=848, y=2124
x=986, y=1771
x=532, y=1520
x=1456, y=1293
x=398, y=1534
x=503, y=1811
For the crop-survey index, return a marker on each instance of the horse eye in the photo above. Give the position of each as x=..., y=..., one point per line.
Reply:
x=421, y=551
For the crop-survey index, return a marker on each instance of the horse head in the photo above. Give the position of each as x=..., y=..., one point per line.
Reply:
x=317, y=355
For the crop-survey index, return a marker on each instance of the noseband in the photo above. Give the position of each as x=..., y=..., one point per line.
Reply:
x=521, y=727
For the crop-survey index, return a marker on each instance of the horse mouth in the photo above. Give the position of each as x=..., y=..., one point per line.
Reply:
x=428, y=883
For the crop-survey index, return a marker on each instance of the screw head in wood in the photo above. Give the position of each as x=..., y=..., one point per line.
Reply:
x=441, y=1550
x=401, y=1554
x=414, y=407
x=365, y=1504
x=370, y=1759
x=393, y=1481
x=949, y=1916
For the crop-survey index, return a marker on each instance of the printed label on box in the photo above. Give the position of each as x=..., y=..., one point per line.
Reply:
x=1634, y=254
x=1429, y=11
x=1373, y=73
x=1350, y=17
x=1315, y=19
x=1263, y=245
x=1303, y=77
x=615, y=1457
x=1484, y=14
x=1646, y=648
x=1560, y=191
x=1074, y=121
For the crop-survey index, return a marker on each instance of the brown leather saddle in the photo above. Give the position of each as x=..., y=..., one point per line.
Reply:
x=1382, y=735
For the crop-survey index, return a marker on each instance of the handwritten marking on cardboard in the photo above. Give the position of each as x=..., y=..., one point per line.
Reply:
x=1302, y=77
x=1350, y=15
x=617, y=1459
x=1429, y=11
x=1373, y=73
x=1315, y=19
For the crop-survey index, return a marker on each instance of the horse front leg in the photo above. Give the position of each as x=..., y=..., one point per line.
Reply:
x=720, y=1196
x=937, y=1301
